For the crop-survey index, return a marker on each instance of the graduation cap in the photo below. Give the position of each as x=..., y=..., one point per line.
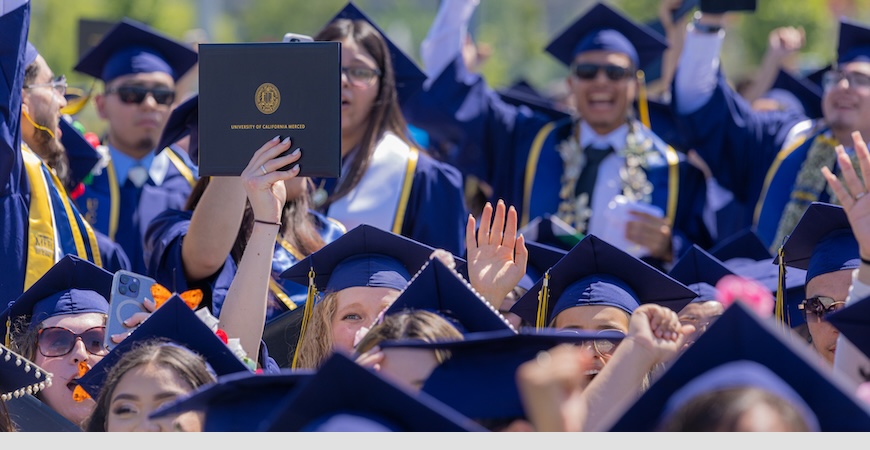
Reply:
x=183, y=121
x=821, y=242
x=740, y=335
x=238, y=402
x=409, y=77
x=521, y=93
x=723, y=6
x=745, y=245
x=854, y=322
x=541, y=258
x=479, y=378
x=81, y=154
x=175, y=322
x=344, y=396
x=551, y=230
x=20, y=376
x=700, y=271
x=817, y=76
x=91, y=31
x=72, y=286
x=603, y=28
x=30, y=414
x=854, y=42
x=794, y=94
x=133, y=47
x=30, y=54
x=597, y=273
x=438, y=289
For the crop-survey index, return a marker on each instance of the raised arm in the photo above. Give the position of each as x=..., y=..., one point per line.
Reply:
x=497, y=258
x=213, y=227
x=243, y=315
x=782, y=44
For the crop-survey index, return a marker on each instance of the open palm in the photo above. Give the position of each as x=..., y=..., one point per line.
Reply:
x=497, y=258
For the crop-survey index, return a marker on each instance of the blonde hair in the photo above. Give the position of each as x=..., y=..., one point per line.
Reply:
x=316, y=345
x=411, y=324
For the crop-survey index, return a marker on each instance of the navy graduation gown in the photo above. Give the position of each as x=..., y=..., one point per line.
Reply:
x=740, y=145
x=164, y=239
x=497, y=139
x=137, y=206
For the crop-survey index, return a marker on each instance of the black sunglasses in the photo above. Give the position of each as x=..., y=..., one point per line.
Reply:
x=58, y=341
x=137, y=94
x=588, y=71
x=820, y=306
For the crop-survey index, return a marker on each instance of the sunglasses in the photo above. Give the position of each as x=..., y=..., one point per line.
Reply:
x=59, y=341
x=820, y=306
x=137, y=94
x=588, y=71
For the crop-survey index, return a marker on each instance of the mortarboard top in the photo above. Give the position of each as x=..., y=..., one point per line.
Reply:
x=31, y=414
x=698, y=266
x=766, y=272
x=744, y=245
x=438, y=289
x=479, y=378
x=723, y=6
x=409, y=76
x=342, y=389
x=30, y=54
x=740, y=335
x=551, y=230
x=816, y=76
x=597, y=273
x=183, y=121
x=603, y=28
x=238, y=402
x=133, y=47
x=20, y=376
x=821, y=242
x=91, y=31
x=854, y=42
x=72, y=286
x=541, y=258
x=796, y=94
x=521, y=93
x=82, y=155
x=364, y=256
x=854, y=322
x=176, y=322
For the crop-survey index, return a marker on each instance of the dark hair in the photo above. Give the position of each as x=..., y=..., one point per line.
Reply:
x=295, y=217
x=385, y=114
x=190, y=366
x=721, y=410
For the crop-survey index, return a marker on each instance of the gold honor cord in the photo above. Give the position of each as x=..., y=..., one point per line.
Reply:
x=543, y=297
x=642, y=104
x=531, y=167
x=306, y=315
x=779, y=308
x=406, y=191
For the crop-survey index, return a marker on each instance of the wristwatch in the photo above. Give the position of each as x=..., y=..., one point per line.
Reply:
x=704, y=27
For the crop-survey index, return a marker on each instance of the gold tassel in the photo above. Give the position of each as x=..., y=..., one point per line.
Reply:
x=779, y=309
x=306, y=314
x=543, y=296
x=642, y=105
x=9, y=331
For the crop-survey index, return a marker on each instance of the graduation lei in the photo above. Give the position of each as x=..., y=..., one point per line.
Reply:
x=639, y=149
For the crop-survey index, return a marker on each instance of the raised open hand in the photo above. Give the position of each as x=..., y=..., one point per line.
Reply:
x=497, y=258
x=851, y=195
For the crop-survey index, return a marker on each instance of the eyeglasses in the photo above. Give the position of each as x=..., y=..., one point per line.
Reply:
x=137, y=94
x=820, y=306
x=59, y=341
x=604, y=345
x=588, y=71
x=360, y=76
x=833, y=78
x=700, y=323
x=58, y=84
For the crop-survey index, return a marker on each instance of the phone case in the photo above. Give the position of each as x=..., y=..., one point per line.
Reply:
x=129, y=291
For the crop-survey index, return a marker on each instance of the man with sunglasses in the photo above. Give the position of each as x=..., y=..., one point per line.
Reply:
x=135, y=181
x=604, y=172
x=770, y=160
x=39, y=224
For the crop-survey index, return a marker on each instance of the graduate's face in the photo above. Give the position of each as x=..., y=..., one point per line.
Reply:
x=602, y=102
x=593, y=318
x=358, y=307
x=59, y=396
x=700, y=315
x=43, y=104
x=357, y=93
x=408, y=367
x=846, y=105
x=834, y=285
x=140, y=392
x=136, y=127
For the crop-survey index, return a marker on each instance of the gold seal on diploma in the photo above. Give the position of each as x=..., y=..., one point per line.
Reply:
x=267, y=98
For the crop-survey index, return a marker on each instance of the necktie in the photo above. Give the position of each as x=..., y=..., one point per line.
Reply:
x=137, y=175
x=586, y=181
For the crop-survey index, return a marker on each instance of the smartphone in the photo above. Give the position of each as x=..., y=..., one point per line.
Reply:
x=129, y=291
x=293, y=37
